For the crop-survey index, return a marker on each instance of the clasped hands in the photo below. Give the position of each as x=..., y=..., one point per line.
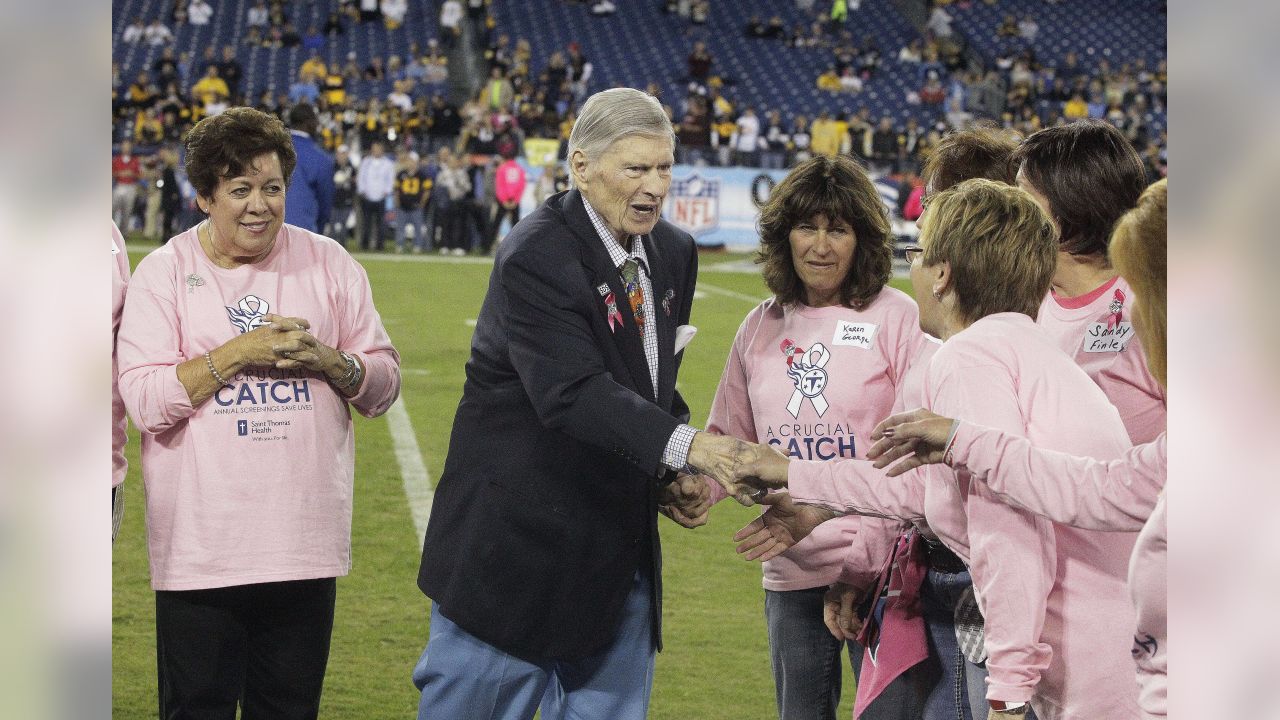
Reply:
x=285, y=343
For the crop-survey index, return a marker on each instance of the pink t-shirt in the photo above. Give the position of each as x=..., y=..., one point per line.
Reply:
x=509, y=182
x=254, y=485
x=1050, y=641
x=1123, y=494
x=119, y=423
x=1096, y=330
x=813, y=382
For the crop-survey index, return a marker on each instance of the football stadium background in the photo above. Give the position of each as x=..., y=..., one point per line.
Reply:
x=989, y=64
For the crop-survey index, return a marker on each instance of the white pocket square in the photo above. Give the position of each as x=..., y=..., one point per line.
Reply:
x=684, y=334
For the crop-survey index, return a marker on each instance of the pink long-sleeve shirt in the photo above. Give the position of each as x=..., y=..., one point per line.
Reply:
x=813, y=383
x=119, y=425
x=1052, y=596
x=1123, y=494
x=1096, y=330
x=253, y=485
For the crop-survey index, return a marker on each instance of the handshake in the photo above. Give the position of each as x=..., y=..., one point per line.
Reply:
x=746, y=472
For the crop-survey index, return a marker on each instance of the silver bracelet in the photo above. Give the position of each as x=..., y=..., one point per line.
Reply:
x=214, y=371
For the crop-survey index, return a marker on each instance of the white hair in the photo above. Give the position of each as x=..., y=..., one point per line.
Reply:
x=610, y=115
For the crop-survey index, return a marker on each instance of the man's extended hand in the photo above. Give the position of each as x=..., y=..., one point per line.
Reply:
x=687, y=500
x=779, y=528
x=740, y=467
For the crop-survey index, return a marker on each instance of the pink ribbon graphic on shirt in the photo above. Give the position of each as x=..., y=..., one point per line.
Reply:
x=1116, y=308
x=807, y=372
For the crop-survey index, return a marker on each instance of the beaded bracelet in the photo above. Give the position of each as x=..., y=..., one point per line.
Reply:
x=214, y=371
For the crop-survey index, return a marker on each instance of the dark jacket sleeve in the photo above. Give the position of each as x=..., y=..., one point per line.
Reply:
x=557, y=357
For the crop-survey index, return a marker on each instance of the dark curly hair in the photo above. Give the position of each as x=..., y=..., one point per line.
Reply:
x=224, y=146
x=835, y=187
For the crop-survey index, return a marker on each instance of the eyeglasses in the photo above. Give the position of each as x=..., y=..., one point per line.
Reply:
x=911, y=253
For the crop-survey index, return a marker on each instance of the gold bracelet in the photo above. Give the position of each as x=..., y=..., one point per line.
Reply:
x=214, y=371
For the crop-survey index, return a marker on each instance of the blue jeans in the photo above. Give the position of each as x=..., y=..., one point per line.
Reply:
x=958, y=688
x=807, y=671
x=464, y=678
x=413, y=217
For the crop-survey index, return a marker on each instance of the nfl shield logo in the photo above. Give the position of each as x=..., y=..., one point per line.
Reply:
x=693, y=204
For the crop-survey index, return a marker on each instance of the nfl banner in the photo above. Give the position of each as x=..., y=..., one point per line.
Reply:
x=693, y=204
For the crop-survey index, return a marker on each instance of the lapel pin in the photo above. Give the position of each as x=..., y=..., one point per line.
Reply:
x=193, y=281
x=666, y=301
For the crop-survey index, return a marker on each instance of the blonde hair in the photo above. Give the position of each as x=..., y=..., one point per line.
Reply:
x=1138, y=250
x=1001, y=246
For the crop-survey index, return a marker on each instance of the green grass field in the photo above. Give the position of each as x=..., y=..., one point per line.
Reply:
x=715, y=664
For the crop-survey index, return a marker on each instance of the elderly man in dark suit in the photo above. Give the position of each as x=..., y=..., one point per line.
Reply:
x=542, y=555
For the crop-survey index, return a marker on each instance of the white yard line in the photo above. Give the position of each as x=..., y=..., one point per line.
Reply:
x=417, y=484
x=717, y=290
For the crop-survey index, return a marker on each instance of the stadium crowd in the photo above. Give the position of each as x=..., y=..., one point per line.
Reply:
x=526, y=97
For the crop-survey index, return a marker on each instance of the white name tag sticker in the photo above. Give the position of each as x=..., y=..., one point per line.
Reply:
x=854, y=334
x=1099, y=338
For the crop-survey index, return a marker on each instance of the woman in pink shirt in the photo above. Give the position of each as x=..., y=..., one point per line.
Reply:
x=1049, y=593
x=1123, y=494
x=810, y=372
x=1086, y=175
x=243, y=345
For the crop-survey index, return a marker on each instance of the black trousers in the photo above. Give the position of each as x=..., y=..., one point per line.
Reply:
x=372, y=218
x=263, y=646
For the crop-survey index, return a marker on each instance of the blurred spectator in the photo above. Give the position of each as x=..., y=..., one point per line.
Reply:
x=445, y=125
x=698, y=11
x=694, y=132
x=210, y=87
x=375, y=70
x=165, y=67
x=774, y=142
x=303, y=90
x=604, y=7
x=746, y=139
x=413, y=191
x=157, y=33
x=399, y=96
x=755, y=28
x=939, y=22
x=829, y=80
x=450, y=20
x=312, y=39
x=333, y=26
x=801, y=140
x=911, y=52
x=199, y=12
x=393, y=12
x=827, y=137
x=509, y=185
x=579, y=71
x=170, y=192
x=313, y=68
x=134, y=32
x=883, y=153
x=1008, y=27
x=375, y=181
x=309, y=193
x=453, y=179
x=369, y=11
x=1028, y=28
x=850, y=82
x=230, y=71
x=722, y=130
x=257, y=15
x=700, y=62
x=126, y=171
x=498, y=92
x=1075, y=108
x=344, y=196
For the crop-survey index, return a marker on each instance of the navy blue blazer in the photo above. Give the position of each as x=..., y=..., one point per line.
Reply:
x=547, y=505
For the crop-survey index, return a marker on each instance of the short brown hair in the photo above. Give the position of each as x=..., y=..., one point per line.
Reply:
x=1002, y=247
x=835, y=187
x=1139, y=248
x=982, y=152
x=224, y=146
x=1090, y=175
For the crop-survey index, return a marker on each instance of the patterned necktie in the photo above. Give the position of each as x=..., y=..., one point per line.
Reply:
x=635, y=292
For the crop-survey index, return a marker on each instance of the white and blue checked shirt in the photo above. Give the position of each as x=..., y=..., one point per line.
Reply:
x=677, y=450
